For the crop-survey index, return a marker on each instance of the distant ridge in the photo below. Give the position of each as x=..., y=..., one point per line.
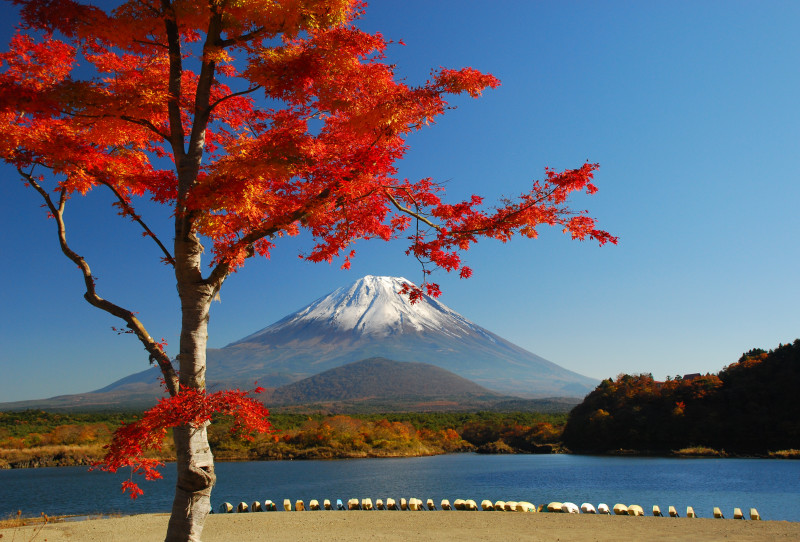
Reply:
x=371, y=385
x=378, y=378
x=369, y=319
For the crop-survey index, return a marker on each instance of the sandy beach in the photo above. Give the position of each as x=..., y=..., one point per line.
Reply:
x=404, y=526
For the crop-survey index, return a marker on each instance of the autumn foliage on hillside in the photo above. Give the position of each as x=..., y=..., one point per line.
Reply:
x=38, y=439
x=397, y=434
x=748, y=407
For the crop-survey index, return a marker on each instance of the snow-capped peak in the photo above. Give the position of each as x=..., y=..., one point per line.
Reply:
x=373, y=306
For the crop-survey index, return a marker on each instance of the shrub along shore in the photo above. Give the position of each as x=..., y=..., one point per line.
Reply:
x=39, y=439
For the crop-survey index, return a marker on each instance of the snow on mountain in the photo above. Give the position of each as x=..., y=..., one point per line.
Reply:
x=369, y=319
x=366, y=320
x=372, y=306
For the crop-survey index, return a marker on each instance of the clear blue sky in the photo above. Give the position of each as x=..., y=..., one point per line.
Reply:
x=691, y=108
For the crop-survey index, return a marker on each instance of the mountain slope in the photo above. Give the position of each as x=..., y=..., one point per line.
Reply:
x=378, y=378
x=369, y=319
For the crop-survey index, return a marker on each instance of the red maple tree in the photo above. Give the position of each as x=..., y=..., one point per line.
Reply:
x=276, y=117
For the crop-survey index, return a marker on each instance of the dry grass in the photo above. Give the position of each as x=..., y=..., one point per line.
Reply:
x=16, y=520
x=53, y=455
x=59, y=455
x=785, y=454
x=700, y=451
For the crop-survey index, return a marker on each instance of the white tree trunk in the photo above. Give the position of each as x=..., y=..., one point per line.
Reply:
x=192, y=502
x=195, y=463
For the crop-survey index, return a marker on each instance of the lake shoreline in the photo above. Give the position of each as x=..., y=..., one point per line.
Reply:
x=30, y=459
x=702, y=484
x=403, y=526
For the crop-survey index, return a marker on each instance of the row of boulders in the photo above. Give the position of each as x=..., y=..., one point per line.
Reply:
x=415, y=504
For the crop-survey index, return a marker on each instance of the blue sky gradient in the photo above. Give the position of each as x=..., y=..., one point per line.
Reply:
x=689, y=107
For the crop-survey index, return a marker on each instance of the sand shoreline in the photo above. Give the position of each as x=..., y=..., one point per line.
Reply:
x=404, y=526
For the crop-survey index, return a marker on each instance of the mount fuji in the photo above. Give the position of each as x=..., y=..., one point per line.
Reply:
x=368, y=319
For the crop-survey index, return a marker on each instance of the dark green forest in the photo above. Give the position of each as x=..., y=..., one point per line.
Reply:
x=750, y=407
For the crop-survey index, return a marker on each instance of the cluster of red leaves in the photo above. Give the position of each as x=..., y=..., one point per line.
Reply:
x=323, y=160
x=415, y=293
x=190, y=407
x=458, y=226
x=315, y=151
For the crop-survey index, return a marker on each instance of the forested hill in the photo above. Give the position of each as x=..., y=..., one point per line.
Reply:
x=750, y=407
x=379, y=378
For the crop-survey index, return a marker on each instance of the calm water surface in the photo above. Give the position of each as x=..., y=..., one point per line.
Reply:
x=770, y=485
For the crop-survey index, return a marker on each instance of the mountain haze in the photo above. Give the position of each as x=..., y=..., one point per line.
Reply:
x=367, y=319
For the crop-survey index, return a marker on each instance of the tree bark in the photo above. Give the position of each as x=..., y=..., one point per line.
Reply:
x=196, y=477
x=195, y=462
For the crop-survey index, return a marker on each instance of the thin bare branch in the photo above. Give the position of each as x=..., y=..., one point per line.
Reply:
x=157, y=354
x=129, y=211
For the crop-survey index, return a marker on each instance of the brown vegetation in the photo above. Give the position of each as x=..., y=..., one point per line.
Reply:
x=40, y=439
x=748, y=408
x=699, y=451
x=54, y=455
x=785, y=454
x=15, y=521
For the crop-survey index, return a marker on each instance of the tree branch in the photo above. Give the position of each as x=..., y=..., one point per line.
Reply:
x=501, y=220
x=153, y=43
x=139, y=122
x=241, y=93
x=241, y=39
x=409, y=212
x=147, y=124
x=223, y=268
x=205, y=80
x=176, y=135
x=149, y=7
x=128, y=210
x=157, y=354
x=507, y=217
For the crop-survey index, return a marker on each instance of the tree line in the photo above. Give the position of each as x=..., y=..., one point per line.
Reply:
x=38, y=438
x=750, y=407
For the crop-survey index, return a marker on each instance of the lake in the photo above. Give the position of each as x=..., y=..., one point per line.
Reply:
x=770, y=485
